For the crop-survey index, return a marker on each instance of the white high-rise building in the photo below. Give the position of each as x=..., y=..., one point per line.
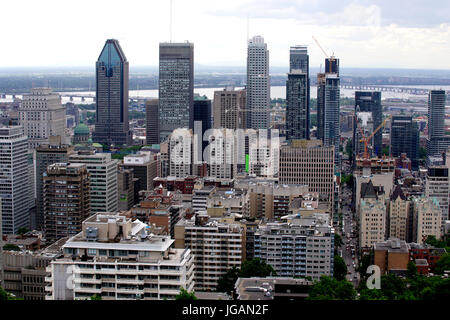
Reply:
x=180, y=152
x=14, y=175
x=427, y=218
x=258, y=84
x=42, y=115
x=103, y=174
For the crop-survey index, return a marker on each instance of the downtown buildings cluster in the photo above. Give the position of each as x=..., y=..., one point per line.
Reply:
x=217, y=182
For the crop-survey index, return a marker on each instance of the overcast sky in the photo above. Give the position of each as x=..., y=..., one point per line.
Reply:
x=362, y=33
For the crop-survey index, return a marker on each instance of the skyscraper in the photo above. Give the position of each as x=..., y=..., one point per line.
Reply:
x=152, y=121
x=328, y=104
x=202, y=115
x=258, y=84
x=297, y=109
x=405, y=139
x=437, y=142
x=14, y=179
x=369, y=102
x=176, y=87
x=111, y=118
x=42, y=115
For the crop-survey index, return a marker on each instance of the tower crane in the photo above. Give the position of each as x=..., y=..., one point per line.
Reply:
x=331, y=58
x=365, y=139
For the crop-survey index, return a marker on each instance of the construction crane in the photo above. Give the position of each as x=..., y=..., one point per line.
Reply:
x=331, y=58
x=365, y=139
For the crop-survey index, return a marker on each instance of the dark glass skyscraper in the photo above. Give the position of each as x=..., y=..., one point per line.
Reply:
x=328, y=105
x=202, y=114
x=176, y=87
x=405, y=139
x=152, y=121
x=437, y=141
x=297, y=94
x=370, y=101
x=111, y=122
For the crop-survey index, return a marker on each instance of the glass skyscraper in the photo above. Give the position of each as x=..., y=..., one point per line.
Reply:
x=176, y=87
x=328, y=105
x=297, y=94
x=437, y=141
x=111, y=122
x=405, y=139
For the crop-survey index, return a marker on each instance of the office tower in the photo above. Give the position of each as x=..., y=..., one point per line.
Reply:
x=230, y=109
x=302, y=248
x=176, y=87
x=258, y=84
x=308, y=162
x=202, y=118
x=437, y=141
x=372, y=216
x=437, y=186
x=399, y=215
x=14, y=179
x=42, y=115
x=152, y=121
x=427, y=219
x=111, y=118
x=81, y=134
x=46, y=154
x=125, y=189
x=144, y=166
x=370, y=102
x=405, y=139
x=328, y=105
x=180, y=153
x=68, y=184
x=297, y=94
x=103, y=174
x=130, y=263
x=297, y=109
x=216, y=246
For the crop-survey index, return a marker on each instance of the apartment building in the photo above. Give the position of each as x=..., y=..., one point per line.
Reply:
x=117, y=259
x=301, y=247
x=438, y=186
x=67, y=201
x=145, y=168
x=427, y=218
x=217, y=246
x=372, y=216
x=399, y=215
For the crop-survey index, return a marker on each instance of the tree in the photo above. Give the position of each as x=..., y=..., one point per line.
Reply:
x=443, y=264
x=185, y=295
x=11, y=247
x=385, y=151
x=422, y=153
x=340, y=268
x=22, y=230
x=226, y=282
x=256, y=268
x=371, y=294
x=6, y=295
x=332, y=289
x=411, y=270
x=96, y=297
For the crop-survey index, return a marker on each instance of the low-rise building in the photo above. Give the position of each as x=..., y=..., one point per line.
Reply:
x=392, y=256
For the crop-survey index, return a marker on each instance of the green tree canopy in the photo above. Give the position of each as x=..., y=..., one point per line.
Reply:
x=185, y=295
x=411, y=270
x=332, y=289
x=443, y=264
x=340, y=268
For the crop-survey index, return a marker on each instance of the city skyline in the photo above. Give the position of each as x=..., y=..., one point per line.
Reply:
x=388, y=37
